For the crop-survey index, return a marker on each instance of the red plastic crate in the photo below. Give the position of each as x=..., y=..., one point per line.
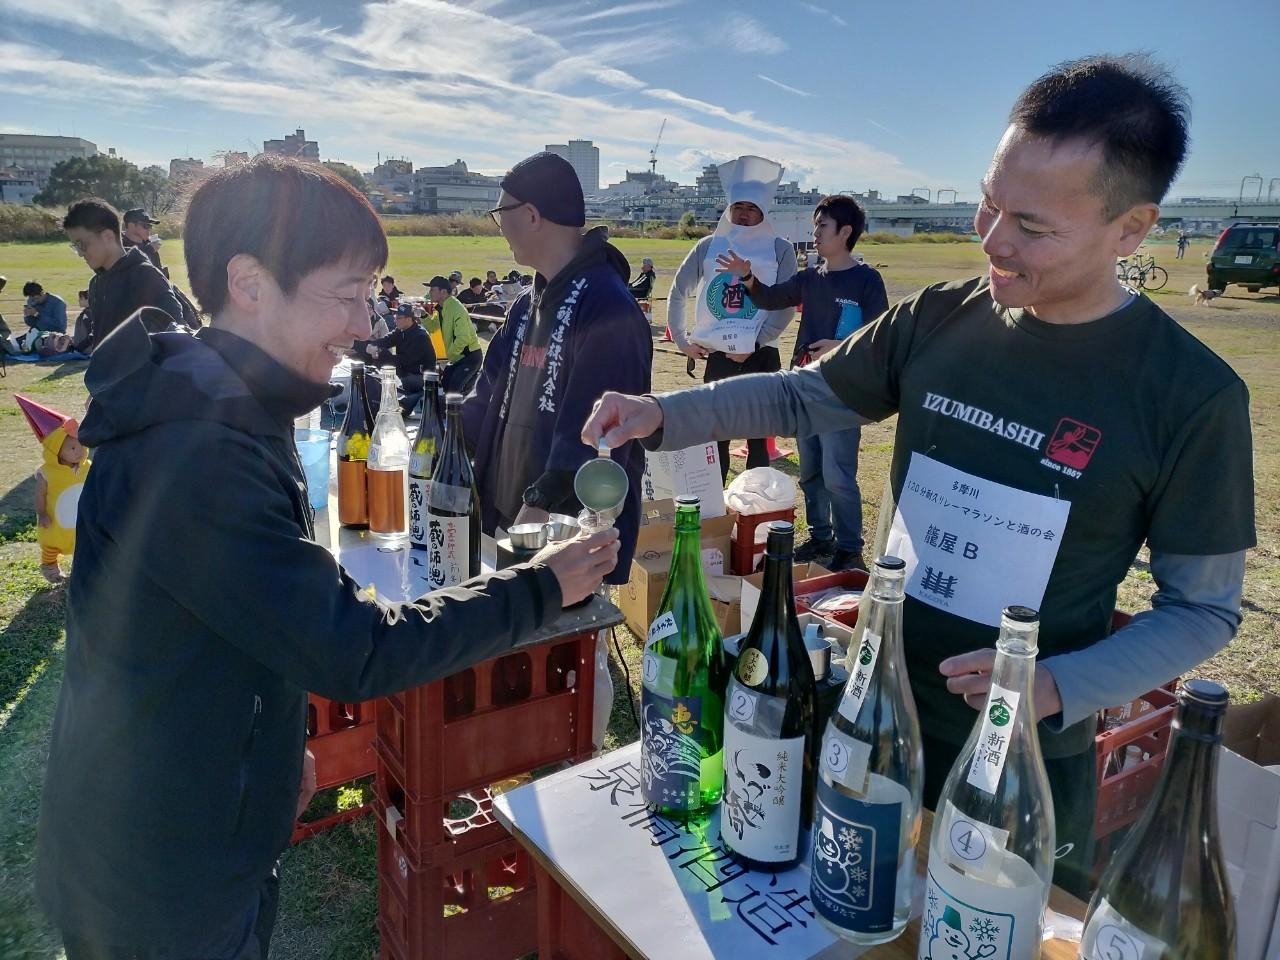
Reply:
x=527, y=709
x=340, y=737
x=435, y=830
x=565, y=930
x=489, y=894
x=742, y=559
x=848, y=579
x=1123, y=795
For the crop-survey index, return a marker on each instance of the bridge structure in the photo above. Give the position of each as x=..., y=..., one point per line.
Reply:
x=1195, y=215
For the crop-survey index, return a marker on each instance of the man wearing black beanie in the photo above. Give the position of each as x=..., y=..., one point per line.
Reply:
x=577, y=333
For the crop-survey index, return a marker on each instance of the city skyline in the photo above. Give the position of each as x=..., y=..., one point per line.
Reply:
x=844, y=96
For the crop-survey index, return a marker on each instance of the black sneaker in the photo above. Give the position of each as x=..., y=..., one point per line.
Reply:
x=813, y=549
x=846, y=560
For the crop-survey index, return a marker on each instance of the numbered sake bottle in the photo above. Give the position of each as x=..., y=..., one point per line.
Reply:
x=388, y=470
x=1164, y=894
x=991, y=850
x=353, y=454
x=427, y=442
x=453, y=508
x=770, y=727
x=870, y=780
x=684, y=671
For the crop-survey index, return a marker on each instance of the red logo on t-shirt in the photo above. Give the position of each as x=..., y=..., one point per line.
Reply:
x=1073, y=443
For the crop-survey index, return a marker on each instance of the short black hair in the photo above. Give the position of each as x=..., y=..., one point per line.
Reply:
x=845, y=212
x=93, y=214
x=292, y=217
x=389, y=279
x=474, y=281
x=32, y=289
x=82, y=293
x=1129, y=105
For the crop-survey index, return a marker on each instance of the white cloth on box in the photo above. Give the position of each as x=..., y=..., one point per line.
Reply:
x=761, y=490
x=724, y=316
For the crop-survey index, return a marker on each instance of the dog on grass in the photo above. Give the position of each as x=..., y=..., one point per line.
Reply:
x=1202, y=297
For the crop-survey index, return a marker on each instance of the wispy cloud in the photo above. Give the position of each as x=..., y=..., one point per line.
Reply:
x=510, y=81
x=835, y=18
x=782, y=86
x=881, y=126
x=749, y=35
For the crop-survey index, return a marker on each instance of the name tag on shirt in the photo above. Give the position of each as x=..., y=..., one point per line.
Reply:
x=973, y=546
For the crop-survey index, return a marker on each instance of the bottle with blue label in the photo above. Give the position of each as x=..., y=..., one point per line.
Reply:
x=991, y=849
x=684, y=672
x=870, y=780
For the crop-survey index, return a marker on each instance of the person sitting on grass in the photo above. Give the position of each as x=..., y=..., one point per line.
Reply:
x=44, y=312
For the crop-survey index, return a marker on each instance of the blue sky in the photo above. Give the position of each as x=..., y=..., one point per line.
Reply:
x=848, y=95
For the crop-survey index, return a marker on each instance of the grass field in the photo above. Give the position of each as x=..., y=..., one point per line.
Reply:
x=329, y=900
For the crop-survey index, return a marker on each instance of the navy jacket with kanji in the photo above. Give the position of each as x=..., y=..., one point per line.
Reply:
x=565, y=342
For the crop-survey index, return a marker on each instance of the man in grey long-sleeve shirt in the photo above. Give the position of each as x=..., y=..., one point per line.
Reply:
x=764, y=359
x=1050, y=422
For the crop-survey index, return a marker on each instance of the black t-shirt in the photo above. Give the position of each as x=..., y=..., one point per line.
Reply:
x=1129, y=422
x=468, y=298
x=836, y=301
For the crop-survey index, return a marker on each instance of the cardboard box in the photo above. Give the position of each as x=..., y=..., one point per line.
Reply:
x=751, y=585
x=726, y=600
x=1249, y=823
x=651, y=565
x=692, y=472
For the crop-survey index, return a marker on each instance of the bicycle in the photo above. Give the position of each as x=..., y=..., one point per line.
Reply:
x=1143, y=274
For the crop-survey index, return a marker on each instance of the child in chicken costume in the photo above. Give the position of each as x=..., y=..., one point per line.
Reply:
x=59, y=482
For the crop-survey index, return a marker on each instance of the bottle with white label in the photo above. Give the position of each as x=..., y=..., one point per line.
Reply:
x=770, y=726
x=682, y=687
x=453, y=508
x=870, y=780
x=991, y=850
x=1165, y=894
x=427, y=444
x=388, y=470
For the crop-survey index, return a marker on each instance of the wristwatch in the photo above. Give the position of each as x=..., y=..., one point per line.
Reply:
x=535, y=498
x=748, y=277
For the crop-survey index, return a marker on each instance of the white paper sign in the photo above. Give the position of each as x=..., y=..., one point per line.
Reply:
x=973, y=546
x=691, y=472
x=1109, y=936
x=972, y=846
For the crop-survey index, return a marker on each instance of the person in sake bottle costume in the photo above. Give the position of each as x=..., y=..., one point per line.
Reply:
x=727, y=329
x=197, y=622
x=1051, y=422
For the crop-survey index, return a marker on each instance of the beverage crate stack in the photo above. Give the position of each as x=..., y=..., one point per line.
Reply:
x=340, y=737
x=452, y=883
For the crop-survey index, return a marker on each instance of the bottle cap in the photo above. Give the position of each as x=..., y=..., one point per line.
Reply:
x=688, y=502
x=1021, y=614
x=891, y=563
x=1205, y=694
x=781, y=528
x=453, y=399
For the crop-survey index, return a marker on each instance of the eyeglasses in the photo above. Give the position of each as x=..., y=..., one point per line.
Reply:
x=496, y=213
x=78, y=247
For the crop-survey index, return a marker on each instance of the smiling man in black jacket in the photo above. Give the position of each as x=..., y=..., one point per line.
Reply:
x=196, y=624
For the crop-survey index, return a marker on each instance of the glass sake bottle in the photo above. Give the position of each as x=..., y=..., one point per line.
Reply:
x=388, y=471
x=353, y=454
x=1165, y=894
x=992, y=846
x=428, y=441
x=770, y=727
x=870, y=780
x=453, y=508
x=684, y=671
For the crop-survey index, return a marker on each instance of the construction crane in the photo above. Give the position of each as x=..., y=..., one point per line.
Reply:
x=653, y=154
